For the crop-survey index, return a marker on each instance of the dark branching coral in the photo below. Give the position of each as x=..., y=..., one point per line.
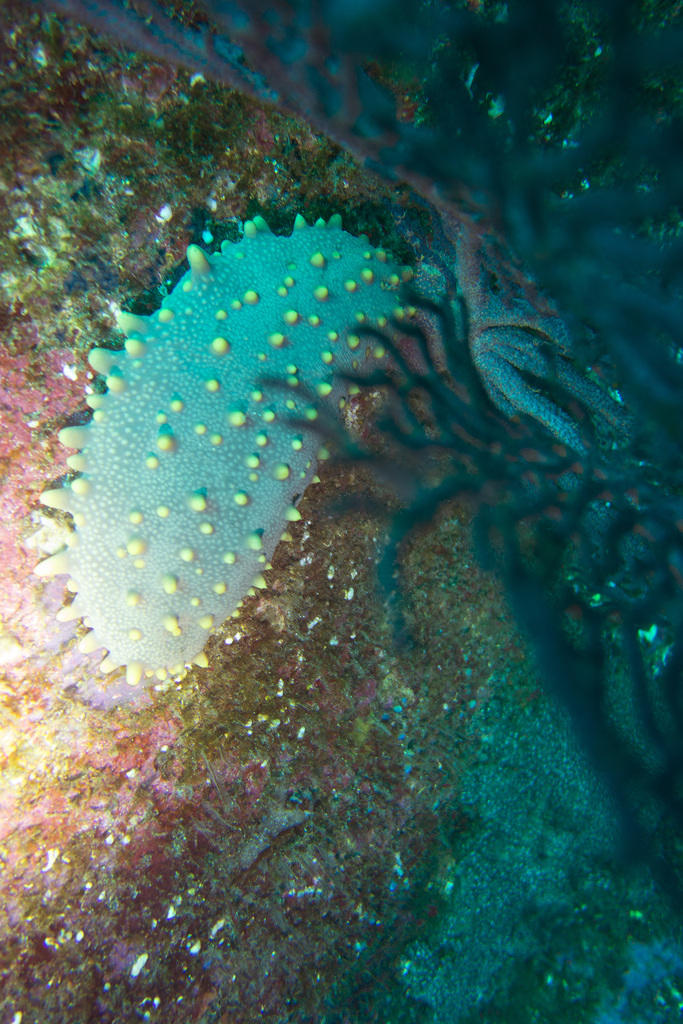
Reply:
x=561, y=126
x=589, y=547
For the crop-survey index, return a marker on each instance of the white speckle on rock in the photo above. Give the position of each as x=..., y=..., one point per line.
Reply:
x=51, y=855
x=89, y=159
x=11, y=651
x=139, y=964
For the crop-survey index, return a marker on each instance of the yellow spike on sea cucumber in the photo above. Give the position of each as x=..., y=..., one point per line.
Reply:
x=115, y=381
x=57, y=497
x=89, y=643
x=199, y=264
x=131, y=324
x=135, y=347
x=101, y=360
x=134, y=673
x=74, y=437
x=81, y=486
x=69, y=613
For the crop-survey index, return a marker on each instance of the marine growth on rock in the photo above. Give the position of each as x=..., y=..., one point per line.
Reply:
x=195, y=456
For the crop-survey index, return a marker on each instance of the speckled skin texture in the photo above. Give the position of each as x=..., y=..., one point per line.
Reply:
x=197, y=452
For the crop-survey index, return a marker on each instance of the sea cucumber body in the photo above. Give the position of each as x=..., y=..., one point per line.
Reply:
x=192, y=464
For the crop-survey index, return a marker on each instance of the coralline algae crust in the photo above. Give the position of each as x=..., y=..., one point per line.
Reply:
x=191, y=465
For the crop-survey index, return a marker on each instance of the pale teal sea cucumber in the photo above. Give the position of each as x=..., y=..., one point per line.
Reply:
x=190, y=467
